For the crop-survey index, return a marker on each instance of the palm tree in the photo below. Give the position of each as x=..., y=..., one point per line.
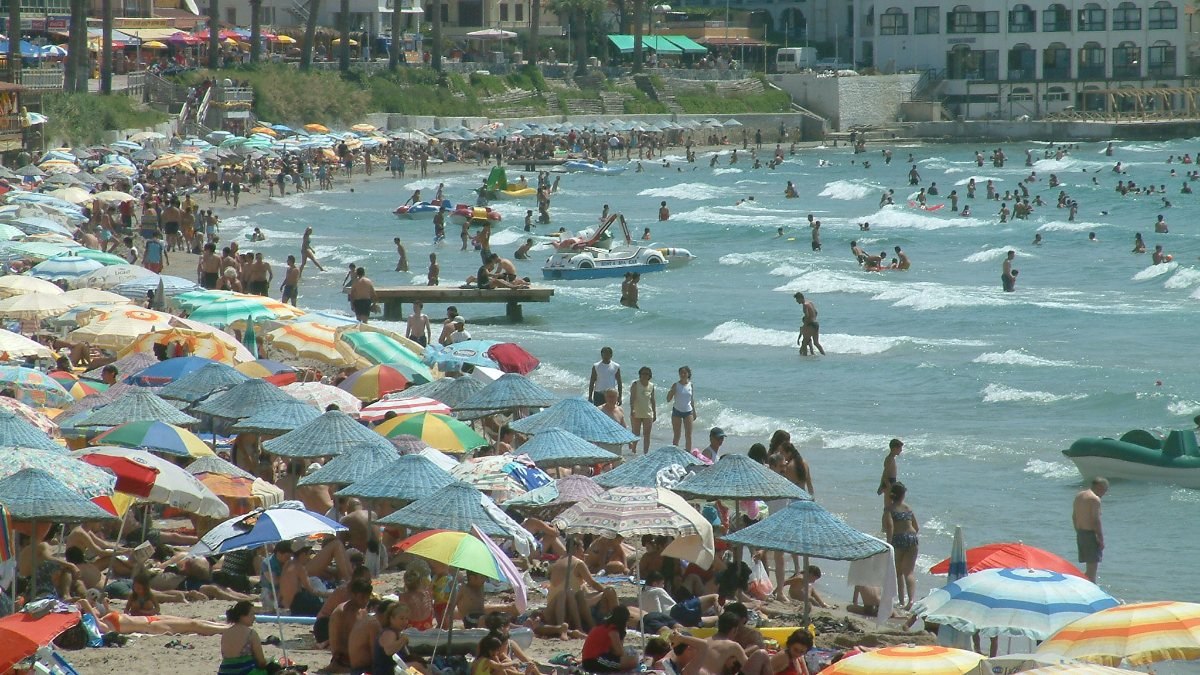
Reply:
x=106, y=56
x=14, y=43
x=344, y=31
x=310, y=34
x=639, y=6
x=535, y=26
x=214, y=34
x=255, y=30
x=435, y=35
x=78, y=43
x=397, y=30
x=580, y=12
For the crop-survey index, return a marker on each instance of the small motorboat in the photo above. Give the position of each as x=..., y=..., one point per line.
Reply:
x=476, y=215
x=418, y=211
x=1140, y=455
x=591, y=166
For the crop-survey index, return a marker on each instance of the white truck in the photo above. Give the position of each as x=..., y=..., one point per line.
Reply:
x=792, y=59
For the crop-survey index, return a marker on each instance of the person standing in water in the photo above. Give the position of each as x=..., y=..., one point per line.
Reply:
x=891, y=473
x=1089, y=535
x=1008, y=282
x=810, y=329
x=306, y=250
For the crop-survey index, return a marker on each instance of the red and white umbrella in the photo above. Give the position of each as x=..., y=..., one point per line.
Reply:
x=402, y=406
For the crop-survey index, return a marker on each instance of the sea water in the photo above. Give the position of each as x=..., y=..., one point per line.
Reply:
x=985, y=387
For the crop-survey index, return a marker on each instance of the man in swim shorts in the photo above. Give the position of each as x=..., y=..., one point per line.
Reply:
x=810, y=330
x=291, y=281
x=1089, y=535
x=362, y=295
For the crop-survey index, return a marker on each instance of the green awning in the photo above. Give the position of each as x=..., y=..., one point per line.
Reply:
x=623, y=43
x=687, y=44
x=661, y=44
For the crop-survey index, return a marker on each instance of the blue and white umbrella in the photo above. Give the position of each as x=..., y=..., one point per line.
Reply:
x=1013, y=602
x=38, y=225
x=69, y=267
x=282, y=522
x=171, y=286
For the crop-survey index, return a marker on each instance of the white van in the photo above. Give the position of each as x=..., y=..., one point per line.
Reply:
x=791, y=59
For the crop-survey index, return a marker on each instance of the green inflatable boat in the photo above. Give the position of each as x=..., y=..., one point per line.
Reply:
x=1140, y=455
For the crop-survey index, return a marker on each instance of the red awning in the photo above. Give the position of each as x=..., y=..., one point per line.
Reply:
x=732, y=42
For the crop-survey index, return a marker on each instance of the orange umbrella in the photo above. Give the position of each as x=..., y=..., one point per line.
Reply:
x=242, y=495
x=212, y=344
x=1139, y=634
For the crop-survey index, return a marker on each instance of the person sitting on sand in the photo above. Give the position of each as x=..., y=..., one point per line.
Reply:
x=604, y=648
x=472, y=605
x=865, y=601
x=418, y=596
x=608, y=556
x=718, y=655
x=805, y=585
x=342, y=620
x=140, y=601
x=693, y=612
x=512, y=657
x=241, y=648
x=567, y=601
x=365, y=631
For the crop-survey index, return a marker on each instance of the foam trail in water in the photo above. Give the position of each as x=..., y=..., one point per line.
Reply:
x=694, y=191
x=1155, y=271
x=999, y=393
x=850, y=190
x=1015, y=357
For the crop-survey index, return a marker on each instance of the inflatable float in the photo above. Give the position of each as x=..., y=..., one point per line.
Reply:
x=515, y=191
x=277, y=618
x=476, y=215
x=1140, y=455
x=777, y=633
x=422, y=642
x=418, y=211
x=676, y=257
x=927, y=207
x=590, y=166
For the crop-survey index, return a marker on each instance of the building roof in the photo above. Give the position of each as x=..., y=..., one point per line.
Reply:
x=732, y=41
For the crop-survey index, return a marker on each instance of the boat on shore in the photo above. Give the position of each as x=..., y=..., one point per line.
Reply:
x=1140, y=455
x=591, y=166
x=418, y=211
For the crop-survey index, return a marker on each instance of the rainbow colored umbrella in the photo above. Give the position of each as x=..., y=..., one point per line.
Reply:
x=159, y=437
x=376, y=382
x=81, y=388
x=380, y=348
x=1139, y=634
x=906, y=660
x=459, y=550
x=441, y=432
x=34, y=387
x=63, y=377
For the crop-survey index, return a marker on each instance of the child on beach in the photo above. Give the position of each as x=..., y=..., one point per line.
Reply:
x=418, y=595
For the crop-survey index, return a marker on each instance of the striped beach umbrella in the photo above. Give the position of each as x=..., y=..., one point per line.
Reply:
x=1138, y=634
x=211, y=344
x=381, y=348
x=458, y=550
x=283, y=522
x=402, y=406
x=378, y=381
x=314, y=341
x=1009, y=554
x=19, y=284
x=441, y=432
x=321, y=396
x=34, y=387
x=68, y=267
x=155, y=436
x=908, y=660
x=1017, y=602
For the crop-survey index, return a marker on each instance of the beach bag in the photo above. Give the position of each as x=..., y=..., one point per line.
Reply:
x=760, y=584
x=89, y=623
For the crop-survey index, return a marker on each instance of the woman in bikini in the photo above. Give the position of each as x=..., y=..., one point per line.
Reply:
x=900, y=529
x=418, y=595
x=790, y=660
x=141, y=601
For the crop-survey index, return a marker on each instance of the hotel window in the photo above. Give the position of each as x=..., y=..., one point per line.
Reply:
x=1127, y=59
x=963, y=63
x=1022, y=19
x=1056, y=19
x=893, y=22
x=1091, y=61
x=1056, y=94
x=1162, y=59
x=504, y=11
x=1163, y=15
x=1022, y=63
x=1056, y=62
x=1127, y=16
x=1091, y=17
x=963, y=20
x=519, y=12
x=925, y=20
x=1019, y=94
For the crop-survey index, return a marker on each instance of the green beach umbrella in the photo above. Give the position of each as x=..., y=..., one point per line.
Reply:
x=379, y=348
x=193, y=299
x=221, y=313
x=437, y=431
x=100, y=256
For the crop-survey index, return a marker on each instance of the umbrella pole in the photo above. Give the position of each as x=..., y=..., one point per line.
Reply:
x=567, y=589
x=33, y=559
x=637, y=572
x=278, y=609
x=807, y=595
x=448, y=614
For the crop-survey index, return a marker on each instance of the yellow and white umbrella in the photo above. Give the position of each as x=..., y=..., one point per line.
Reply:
x=1138, y=634
x=363, y=128
x=182, y=162
x=35, y=306
x=95, y=296
x=113, y=197
x=18, y=284
x=212, y=344
x=75, y=195
x=906, y=660
x=312, y=341
x=119, y=328
x=53, y=166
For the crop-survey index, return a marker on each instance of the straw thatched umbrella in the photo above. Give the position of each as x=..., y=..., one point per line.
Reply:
x=509, y=391
x=278, y=420
x=738, y=477
x=332, y=433
x=449, y=390
x=245, y=400
x=15, y=432
x=643, y=471
x=136, y=406
x=210, y=379
x=552, y=499
x=406, y=479
x=355, y=464
x=579, y=417
x=554, y=447
x=456, y=507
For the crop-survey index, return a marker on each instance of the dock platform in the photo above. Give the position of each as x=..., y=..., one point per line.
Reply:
x=393, y=298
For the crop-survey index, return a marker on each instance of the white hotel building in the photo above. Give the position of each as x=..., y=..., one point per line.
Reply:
x=1003, y=59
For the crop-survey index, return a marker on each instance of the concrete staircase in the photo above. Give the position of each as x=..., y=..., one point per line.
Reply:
x=614, y=102
x=513, y=103
x=584, y=106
